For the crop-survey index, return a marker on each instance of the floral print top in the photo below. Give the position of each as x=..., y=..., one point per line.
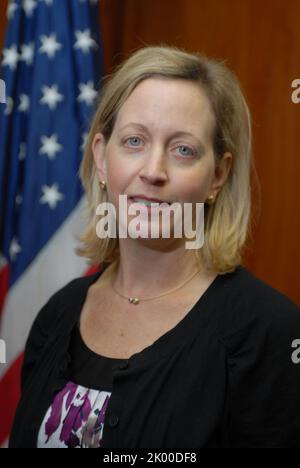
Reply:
x=76, y=417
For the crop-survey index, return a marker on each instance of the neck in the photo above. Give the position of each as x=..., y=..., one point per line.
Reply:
x=146, y=270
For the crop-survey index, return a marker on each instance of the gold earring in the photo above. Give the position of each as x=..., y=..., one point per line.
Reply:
x=210, y=200
x=102, y=184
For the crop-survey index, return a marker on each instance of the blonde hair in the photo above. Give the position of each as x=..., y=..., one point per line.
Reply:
x=227, y=221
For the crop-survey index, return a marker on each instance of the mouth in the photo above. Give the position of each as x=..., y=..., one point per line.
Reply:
x=152, y=206
x=149, y=202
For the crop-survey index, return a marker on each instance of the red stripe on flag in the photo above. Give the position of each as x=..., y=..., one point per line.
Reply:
x=93, y=269
x=9, y=397
x=4, y=278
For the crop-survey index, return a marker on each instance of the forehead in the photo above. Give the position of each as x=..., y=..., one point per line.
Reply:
x=168, y=105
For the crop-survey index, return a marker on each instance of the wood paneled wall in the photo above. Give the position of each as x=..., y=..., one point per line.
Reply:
x=260, y=41
x=3, y=7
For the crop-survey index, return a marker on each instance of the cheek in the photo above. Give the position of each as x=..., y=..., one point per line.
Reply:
x=198, y=181
x=194, y=188
x=118, y=177
x=114, y=170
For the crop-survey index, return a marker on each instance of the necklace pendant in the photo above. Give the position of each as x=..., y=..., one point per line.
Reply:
x=133, y=300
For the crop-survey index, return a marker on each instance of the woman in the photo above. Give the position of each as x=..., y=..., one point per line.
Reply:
x=165, y=346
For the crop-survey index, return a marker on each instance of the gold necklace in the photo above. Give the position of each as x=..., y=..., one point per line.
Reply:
x=136, y=300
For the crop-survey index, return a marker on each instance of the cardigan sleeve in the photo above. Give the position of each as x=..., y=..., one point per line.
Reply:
x=37, y=338
x=52, y=315
x=264, y=375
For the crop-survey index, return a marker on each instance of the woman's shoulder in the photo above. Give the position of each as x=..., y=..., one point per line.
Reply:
x=254, y=309
x=75, y=289
x=249, y=286
x=243, y=289
x=65, y=303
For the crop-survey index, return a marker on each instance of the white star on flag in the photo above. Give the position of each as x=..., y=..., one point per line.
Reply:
x=19, y=200
x=29, y=6
x=14, y=249
x=11, y=57
x=9, y=105
x=47, y=2
x=27, y=53
x=84, y=137
x=12, y=7
x=87, y=93
x=50, y=146
x=84, y=41
x=51, y=195
x=24, y=103
x=22, y=151
x=49, y=45
x=51, y=96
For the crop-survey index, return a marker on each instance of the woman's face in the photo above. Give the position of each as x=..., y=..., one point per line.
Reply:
x=161, y=145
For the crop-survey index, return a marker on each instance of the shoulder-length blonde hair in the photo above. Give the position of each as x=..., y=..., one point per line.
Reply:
x=227, y=221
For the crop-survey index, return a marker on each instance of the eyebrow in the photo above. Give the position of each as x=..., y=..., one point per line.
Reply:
x=175, y=134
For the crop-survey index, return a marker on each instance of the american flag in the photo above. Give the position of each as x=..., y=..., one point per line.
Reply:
x=52, y=67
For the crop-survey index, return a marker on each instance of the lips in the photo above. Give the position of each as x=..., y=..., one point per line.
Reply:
x=152, y=206
x=140, y=198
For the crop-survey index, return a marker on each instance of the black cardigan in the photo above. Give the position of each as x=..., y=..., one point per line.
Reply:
x=224, y=376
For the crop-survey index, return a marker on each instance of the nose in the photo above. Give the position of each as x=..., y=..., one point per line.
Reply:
x=154, y=168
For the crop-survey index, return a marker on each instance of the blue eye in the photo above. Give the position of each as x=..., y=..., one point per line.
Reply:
x=134, y=140
x=186, y=150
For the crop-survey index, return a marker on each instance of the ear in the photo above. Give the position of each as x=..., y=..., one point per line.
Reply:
x=99, y=150
x=222, y=170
